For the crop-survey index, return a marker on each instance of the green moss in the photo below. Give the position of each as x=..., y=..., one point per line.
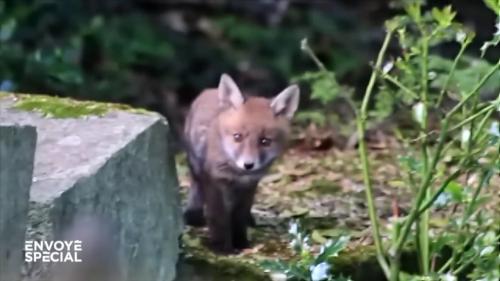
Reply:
x=56, y=107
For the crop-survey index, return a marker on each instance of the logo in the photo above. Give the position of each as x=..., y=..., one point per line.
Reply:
x=52, y=251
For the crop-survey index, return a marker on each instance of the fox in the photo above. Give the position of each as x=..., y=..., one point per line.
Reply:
x=232, y=139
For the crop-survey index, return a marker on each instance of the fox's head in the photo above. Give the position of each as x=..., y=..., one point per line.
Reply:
x=254, y=130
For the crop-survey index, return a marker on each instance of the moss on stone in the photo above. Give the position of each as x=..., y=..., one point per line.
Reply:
x=56, y=107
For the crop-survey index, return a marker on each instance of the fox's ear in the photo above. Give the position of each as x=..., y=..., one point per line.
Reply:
x=286, y=102
x=229, y=93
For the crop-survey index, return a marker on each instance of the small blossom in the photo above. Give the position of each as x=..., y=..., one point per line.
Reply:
x=305, y=244
x=387, y=67
x=442, y=200
x=278, y=276
x=460, y=37
x=432, y=75
x=419, y=112
x=294, y=228
x=304, y=44
x=449, y=277
x=494, y=129
x=486, y=251
x=465, y=136
x=320, y=271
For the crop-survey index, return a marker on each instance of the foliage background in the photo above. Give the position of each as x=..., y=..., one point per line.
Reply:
x=148, y=53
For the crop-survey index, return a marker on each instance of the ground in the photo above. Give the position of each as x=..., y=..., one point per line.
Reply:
x=325, y=190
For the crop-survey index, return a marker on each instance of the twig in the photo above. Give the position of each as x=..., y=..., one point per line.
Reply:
x=361, y=123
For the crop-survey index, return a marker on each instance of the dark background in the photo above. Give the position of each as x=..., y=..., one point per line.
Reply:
x=155, y=53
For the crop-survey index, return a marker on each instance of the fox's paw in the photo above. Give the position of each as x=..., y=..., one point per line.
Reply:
x=194, y=217
x=222, y=248
x=251, y=221
x=241, y=243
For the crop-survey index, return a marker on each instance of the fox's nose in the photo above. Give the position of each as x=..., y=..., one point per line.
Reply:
x=248, y=165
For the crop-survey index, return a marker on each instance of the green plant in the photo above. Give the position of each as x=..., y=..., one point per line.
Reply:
x=324, y=89
x=81, y=54
x=309, y=263
x=472, y=241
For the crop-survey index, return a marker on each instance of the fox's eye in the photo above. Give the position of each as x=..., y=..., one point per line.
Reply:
x=237, y=137
x=265, y=141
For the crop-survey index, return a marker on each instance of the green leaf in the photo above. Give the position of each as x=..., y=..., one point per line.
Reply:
x=384, y=103
x=332, y=248
x=494, y=5
x=414, y=11
x=444, y=17
x=455, y=189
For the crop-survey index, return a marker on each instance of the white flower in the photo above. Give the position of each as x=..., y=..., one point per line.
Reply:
x=486, y=251
x=329, y=243
x=294, y=244
x=326, y=245
x=460, y=37
x=448, y=277
x=465, y=136
x=305, y=244
x=494, y=129
x=419, y=113
x=277, y=276
x=320, y=271
x=432, y=75
x=304, y=44
x=442, y=200
x=294, y=228
x=387, y=67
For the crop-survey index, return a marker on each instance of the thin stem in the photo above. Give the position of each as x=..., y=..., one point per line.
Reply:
x=470, y=207
x=449, y=263
x=423, y=230
x=440, y=190
x=445, y=266
x=307, y=49
x=396, y=82
x=361, y=124
x=396, y=248
x=481, y=126
x=475, y=90
x=451, y=73
x=486, y=109
x=466, y=215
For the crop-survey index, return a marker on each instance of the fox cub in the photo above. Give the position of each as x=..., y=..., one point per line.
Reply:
x=232, y=140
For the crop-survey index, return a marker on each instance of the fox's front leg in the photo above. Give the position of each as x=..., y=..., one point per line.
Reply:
x=218, y=219
x=242, y=218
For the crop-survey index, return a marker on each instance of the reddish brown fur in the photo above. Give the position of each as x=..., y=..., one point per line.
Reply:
x=222, y=192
